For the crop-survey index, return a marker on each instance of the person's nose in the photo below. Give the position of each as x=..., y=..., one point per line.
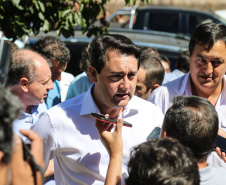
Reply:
x=125, y=83
x=208, y=68
x=50, y=84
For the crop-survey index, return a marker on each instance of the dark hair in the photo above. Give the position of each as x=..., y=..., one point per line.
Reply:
x=162, y=161
x=153, y=67
x=192, y=120
x=182, y=63
x=21, y=65
x=207, y=34
x=10, y=108
x=148, y=50
x=110, y=42
x=52, y=48
x=84, y=63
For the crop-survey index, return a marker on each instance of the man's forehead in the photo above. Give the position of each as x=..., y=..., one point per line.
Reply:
x=110, y=52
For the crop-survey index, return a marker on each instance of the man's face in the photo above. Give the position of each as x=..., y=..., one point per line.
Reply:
x=207, y=68
x=166, y=66
x=141, y=89
x=116, y=83
x=38, y=89
x=56, y=70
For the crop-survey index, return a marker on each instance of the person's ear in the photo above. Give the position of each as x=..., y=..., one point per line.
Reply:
x=163, y=134
x=24, y=82
x=155, y=86
x=1, y=155
x=93, y=73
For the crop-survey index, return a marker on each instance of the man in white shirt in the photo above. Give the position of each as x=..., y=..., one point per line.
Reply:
x=206, y=79
x=68, y=130
x=182, y=67
x=193, y=121
x=58, y=56
x=150, y=74
x=65, y=82
x=29, y=78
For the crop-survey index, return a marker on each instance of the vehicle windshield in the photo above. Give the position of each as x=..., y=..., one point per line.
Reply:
x=223, y=20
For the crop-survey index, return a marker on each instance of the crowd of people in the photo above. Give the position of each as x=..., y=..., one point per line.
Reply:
x=48, y=136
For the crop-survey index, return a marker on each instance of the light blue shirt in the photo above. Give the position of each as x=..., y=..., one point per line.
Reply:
x=26, y=120
x=212, y=175
x=79, y=85
x=53, y=97
x=172, y=76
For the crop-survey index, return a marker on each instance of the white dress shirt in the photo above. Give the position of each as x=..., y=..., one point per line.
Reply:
x=66, y=79
x=163, y=98
x=70, y=135
x=172, y=76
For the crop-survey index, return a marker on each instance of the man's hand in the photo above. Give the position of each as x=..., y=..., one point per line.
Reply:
x=219, y=153
x=21, y=170
x=50, y=170
x=114, y=145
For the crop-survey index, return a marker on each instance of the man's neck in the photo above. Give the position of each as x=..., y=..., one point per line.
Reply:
x=27, y=109
x=202, y=164
x=211, y=95
x=113, y=112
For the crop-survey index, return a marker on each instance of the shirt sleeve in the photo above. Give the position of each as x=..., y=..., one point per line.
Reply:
x=44, y=128
x=160, y=97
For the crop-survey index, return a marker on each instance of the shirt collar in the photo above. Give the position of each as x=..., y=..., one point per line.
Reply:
x=186, y=90
x=186, y=85
x=88, y=103
x=222, y=99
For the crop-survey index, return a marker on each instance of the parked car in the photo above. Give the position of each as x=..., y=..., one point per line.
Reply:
x=170, y=19
x=167, y=45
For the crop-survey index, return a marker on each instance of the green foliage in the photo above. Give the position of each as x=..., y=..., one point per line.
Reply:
x=19, y=18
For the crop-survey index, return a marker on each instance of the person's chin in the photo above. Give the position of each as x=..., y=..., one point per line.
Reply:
x=42, y=100
x=122, y=102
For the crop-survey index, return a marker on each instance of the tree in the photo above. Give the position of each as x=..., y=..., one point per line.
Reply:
x=19, y=18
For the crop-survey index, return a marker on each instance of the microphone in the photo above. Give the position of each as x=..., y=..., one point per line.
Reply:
x=154, y=134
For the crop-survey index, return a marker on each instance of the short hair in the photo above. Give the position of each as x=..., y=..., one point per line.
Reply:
x=10, y=108
x=149, y=50
x=52, y=48
x=100, y=45
x=21, y=65
x=162, y=161
x=192, y=120
x=153, y=67
x=182, y=63
x=84, y=62
x=207, y=34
